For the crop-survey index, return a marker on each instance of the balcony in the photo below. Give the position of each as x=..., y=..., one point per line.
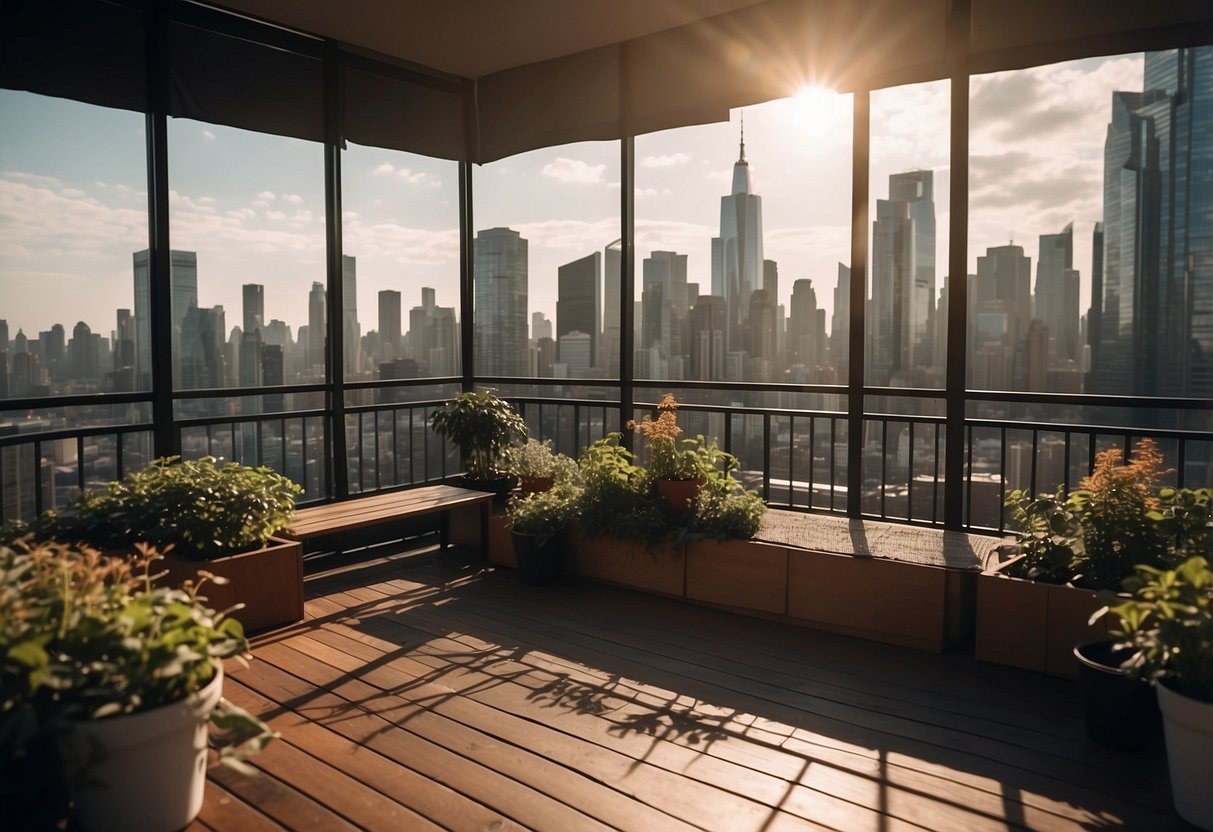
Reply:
x=426, y=691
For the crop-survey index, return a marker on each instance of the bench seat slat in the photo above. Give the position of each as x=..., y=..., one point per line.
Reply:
x=360, y=512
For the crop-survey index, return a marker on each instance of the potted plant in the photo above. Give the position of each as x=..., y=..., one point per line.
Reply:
x=1168, y=624
x=538, y=467
x=1070, y=545
x=108, y=684
x=537, y=526
x=483, y=426
x=204, y=515
x=680, y=467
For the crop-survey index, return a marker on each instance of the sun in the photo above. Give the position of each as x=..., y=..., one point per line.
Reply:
x=818, y=111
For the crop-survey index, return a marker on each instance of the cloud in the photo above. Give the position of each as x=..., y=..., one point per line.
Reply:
x=208, y=135
x=267, y=196
x=293, y=199
x=573, y=171
x=386, y=169
x=667, y=161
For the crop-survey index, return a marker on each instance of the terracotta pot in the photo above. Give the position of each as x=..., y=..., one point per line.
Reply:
x=680, y=493
x=536, y=485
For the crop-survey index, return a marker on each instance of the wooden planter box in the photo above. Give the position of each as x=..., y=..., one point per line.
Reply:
x=741, y=574
x=660, y=569
x=1034, y=625
x=925, y=607
x=269, y=582
x=501, y=545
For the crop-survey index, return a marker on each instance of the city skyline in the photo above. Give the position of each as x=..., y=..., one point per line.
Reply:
x=906, y=280
x=405, y=232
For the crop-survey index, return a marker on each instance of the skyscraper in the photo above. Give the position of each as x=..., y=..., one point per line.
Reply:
x=664, y=303
x=806, y=336
x=351, y=335
x=1154, y=315
x=579, y=305
x=1002, y=309
x=707, y=332
x=500, y=269
x=389, y=325
x=316, y=302
x=183, y=292
x=612, y=268
x=1055, y=301
x=737, y=252
x=254, y=307
x=903, y=279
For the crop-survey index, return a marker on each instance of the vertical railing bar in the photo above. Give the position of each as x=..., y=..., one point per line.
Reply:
x=792, y=462
x=1035, y=454
x=1124, y=454
x=426, y=450
x=812, y=458
x=1066, y=461
x=576, y=429
x=1002, y=477
x=210, y=448
x=444, y=454
x=968, y=437
x=884, y=465
x=1181, y=449
x=118, y=467
x=833, y=458
x=728, y=431
x=233, y=434
x=378, y=471
x=412, y=471
x=395, y=446
x=766, y=457
x=302, y=443
x=910, y=476
x=935, y=480
x=260, y=433
x=38, y=478
x=80, y=462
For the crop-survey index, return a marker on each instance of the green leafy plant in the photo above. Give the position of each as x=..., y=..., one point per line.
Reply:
x=483, y=426
x=1118, y=518
x=674, y=458
x=617, y=501
x=726, y=510
x=201, y=508
x=1169, y=625
x=88, y=637
x=546, y=514
x=537, y=459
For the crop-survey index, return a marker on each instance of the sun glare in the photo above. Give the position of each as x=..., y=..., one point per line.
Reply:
x=818, y=110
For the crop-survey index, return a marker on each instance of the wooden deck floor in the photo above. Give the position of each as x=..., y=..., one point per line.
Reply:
x=433, y=693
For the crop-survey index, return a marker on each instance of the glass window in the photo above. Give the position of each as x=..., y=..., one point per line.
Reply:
x=547, y=263
x=73, y=193
x=248, y=258
x=743, y=238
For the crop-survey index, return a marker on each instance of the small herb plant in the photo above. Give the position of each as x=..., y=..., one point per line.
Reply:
x=88, y=637
x=671, y=457
x=537, y=459
x=726, y=510
x=483, y=426
x=1118, y=518
x=201, y=508
x=546, y=514
x=1169, y=625
x=617, y=501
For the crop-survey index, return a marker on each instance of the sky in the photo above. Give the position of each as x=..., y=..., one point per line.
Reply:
x=73, y=195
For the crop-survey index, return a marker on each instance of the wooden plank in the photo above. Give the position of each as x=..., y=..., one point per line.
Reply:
x=991, y=756
x=427, y=797
x=286, y=805
x=222, y=810
x=833, y=777
x=511, y=781
x=332, y=518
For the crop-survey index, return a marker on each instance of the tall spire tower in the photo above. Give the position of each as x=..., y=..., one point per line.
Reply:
x=737, y=252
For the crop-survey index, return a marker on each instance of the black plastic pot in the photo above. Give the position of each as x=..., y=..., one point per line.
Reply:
x=538, y=561
x=1121, y=713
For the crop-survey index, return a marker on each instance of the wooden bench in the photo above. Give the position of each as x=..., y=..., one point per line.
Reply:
x=378, y=509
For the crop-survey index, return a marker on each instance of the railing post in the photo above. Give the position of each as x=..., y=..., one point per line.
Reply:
x=627, y=282
x=336, y=457
x=858, y=294
x=958, y=269
x=159, y=261
x=467, y=285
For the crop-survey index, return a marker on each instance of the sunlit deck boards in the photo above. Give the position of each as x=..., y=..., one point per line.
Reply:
x=428, y=694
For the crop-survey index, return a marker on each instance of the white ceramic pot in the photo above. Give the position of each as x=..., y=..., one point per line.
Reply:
x=1189, y=728
x=154, y=766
